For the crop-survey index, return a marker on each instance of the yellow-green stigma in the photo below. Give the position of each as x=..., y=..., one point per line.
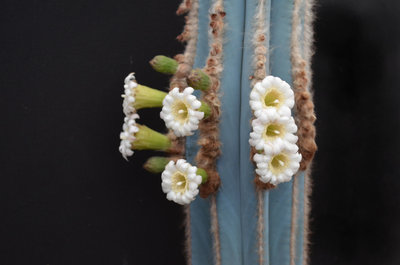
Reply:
x=180, y=111
x=179, y=183
x=274, y=130
x=273, y=98
x=279, y=163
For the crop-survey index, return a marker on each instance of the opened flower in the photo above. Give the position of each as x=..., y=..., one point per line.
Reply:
x=182, y=111
x=272, y=92
x=270, y=129
x=279, y=166
x=180, y=181
x=139, y=137
x=137, y=96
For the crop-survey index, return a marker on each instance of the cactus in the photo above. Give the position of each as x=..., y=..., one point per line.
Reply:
x=248, y=142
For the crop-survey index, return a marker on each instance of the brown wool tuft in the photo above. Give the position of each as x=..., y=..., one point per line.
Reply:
x=208, y=140
x=301, y=72
x=263, y=186
x=184, y=7
x=305, y=116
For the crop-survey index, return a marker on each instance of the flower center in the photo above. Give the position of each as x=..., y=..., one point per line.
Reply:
x=180, y=111
x=273, y=98
x=279, y=163
x=179, y=183
x=274, y=130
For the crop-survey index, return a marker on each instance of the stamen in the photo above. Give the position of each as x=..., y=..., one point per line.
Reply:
x=181, y=111
x=281, y=162
x=274, y=130
x=273, y=98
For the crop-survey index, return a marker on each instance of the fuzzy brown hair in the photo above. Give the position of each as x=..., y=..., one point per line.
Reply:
x=209, y=142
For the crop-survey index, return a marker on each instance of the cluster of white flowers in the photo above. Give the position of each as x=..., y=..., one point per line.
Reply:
x=127, y=135
x=274, y=129
x=180, y=112
x=180, y=181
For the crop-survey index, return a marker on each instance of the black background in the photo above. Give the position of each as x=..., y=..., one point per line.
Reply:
x=67, y=196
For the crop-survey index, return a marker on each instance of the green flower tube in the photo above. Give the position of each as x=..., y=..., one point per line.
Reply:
x=139, y=96
x=139, y=137
x=148, y=139
x=147, y=97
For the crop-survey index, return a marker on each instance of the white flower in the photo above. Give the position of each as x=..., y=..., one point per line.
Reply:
x=272, y=92
x=180, y=181
x=180, y=112
x=129, y=94
x=271, y=129
x=279, y=166
x=127, y=136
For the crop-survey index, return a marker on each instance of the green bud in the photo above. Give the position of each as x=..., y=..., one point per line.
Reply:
x=203, y=175
x=198, y=79
x=164, y=64
x=206, y=109
x=156, y=164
